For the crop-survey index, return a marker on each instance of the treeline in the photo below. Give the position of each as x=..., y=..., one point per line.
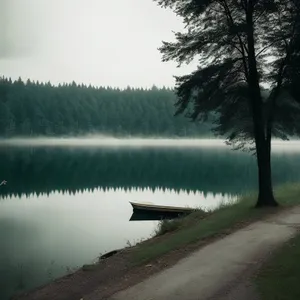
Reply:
x=32, y=108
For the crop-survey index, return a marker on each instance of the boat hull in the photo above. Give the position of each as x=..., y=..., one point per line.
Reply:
x=149, y=212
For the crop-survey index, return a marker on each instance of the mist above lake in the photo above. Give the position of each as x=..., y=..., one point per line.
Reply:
x=106, y=141
x=134, y=142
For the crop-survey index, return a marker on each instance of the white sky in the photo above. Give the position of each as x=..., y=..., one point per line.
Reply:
x=102, y=42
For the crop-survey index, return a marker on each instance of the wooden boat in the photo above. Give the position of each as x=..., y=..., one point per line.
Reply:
x=147, y=211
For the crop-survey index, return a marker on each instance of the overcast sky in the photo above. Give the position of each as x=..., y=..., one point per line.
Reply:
x=91, y=41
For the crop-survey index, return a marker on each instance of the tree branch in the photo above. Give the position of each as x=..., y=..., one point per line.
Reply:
x=280, y=74
x=242, y=45
x=265, y=48
x=258, y=17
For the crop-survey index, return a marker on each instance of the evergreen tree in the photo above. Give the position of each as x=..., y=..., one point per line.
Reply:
x=34, y=109
x=233, y=41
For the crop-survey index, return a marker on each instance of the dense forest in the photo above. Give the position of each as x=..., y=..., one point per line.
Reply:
x=32, y=108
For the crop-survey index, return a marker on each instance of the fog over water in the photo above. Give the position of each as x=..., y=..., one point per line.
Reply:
x=107, y=141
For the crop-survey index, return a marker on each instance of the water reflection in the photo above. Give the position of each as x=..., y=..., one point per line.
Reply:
x=44, y=170
x=62, y=207
x=217, y=170
x=44, y=236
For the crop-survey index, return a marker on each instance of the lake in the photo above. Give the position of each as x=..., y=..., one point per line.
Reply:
x=66, y=201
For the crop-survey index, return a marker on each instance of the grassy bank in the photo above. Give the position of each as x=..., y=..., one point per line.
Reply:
x=198, y=227
x=279, y=277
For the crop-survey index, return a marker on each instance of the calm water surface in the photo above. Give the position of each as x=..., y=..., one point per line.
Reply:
x=67, y=201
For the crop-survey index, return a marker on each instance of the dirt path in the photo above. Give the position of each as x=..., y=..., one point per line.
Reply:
x=220, y=270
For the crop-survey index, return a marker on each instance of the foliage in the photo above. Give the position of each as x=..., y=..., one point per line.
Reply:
x=34, y=109
x=220, y=34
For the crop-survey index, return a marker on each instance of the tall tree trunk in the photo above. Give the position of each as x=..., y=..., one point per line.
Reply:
x=265, y=194
x=262, y=139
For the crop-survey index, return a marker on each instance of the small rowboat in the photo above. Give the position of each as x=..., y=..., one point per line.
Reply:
x=145, y=207
x=147, y=211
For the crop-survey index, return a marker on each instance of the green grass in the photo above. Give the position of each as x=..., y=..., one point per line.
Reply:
x=279, y=278
x=89, y=267
x=166, y=226
x=194, y=227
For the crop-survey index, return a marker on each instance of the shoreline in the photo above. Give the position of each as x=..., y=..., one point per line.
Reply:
x=134, y=264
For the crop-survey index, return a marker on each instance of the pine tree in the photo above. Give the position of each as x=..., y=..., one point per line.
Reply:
x=241, y=45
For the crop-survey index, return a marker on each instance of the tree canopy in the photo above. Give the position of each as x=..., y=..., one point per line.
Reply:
x=35, y=109
x=216, y=35
x=241, y=46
